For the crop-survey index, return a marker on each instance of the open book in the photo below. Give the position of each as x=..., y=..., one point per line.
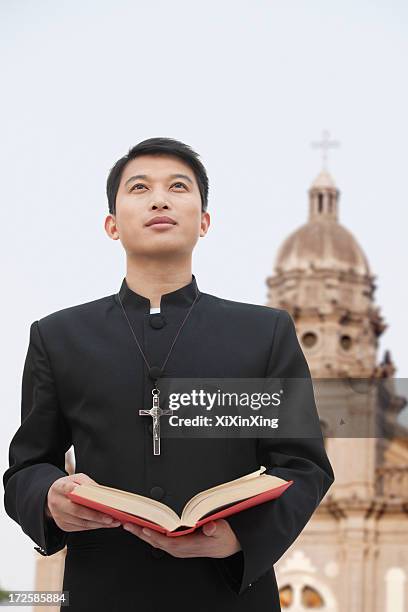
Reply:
x=214, y=503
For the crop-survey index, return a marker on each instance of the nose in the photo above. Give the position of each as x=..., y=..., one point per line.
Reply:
x=159, y=205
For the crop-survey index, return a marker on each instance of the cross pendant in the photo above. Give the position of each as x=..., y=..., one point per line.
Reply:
x=156, y=412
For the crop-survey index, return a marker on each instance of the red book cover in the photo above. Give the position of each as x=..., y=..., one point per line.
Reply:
x=124, y=517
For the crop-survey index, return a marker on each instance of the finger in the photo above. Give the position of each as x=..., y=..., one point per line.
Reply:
x=148, y=535
x=80, y=511
x=82, y=478
x=68, y=484
x=88, y=527
x=83, y=524
x=65, y=485
x=187, y=544
x=209, y=529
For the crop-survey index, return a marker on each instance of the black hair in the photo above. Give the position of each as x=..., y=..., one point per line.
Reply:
x=158, y=146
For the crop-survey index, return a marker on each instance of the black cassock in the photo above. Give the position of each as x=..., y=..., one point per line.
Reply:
x=84, y=382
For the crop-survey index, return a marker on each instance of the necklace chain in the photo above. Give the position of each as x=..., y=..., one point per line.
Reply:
x=174, y=340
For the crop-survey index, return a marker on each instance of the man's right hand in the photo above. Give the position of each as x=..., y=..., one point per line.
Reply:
x=70, y=516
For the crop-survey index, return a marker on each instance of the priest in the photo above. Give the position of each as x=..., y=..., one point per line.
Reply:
x=92, y=379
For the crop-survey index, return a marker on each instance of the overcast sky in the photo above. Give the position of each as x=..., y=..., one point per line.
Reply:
x=249, y=85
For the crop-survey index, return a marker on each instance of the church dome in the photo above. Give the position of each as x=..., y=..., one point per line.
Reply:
x=322, y=245
x=322, y=242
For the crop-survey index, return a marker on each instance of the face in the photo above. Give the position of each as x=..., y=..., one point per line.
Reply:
x=158, y=186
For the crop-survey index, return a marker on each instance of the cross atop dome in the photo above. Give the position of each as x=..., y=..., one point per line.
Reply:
x=323, y=194
x=325, y=144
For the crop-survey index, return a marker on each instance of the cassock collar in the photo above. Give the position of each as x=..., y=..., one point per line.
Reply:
x=184, y=296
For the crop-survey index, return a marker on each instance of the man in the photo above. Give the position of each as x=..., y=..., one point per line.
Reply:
x=90, y=368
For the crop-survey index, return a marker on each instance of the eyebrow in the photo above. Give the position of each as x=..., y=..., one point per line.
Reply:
x=144, y=176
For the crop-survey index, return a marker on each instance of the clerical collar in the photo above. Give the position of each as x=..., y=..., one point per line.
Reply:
x=184, y=296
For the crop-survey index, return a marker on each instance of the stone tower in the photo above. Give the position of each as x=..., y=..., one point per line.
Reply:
x=347, y=557
x=323, y=278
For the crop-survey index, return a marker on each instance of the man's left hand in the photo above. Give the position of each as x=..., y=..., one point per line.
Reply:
x=214, y=539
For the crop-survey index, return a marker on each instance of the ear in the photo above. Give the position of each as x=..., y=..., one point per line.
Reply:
x=205, y=223
x=111, y=227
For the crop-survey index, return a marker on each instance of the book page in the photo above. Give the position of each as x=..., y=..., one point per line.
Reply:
x=218, y=497
x=132, y=503
x=223, y=485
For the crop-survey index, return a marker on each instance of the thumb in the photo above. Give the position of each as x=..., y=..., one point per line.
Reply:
x=82, y=478
x=66, y=485
x=209, y=528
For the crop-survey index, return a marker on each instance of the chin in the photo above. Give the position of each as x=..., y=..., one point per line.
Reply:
x=153, y=250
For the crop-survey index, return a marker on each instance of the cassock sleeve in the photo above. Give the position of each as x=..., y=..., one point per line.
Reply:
x=37, y=450
x=266, y=531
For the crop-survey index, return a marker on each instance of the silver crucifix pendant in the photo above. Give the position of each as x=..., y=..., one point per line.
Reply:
x=156, y=412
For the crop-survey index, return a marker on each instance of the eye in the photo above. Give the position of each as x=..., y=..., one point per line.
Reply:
x=141, y=184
